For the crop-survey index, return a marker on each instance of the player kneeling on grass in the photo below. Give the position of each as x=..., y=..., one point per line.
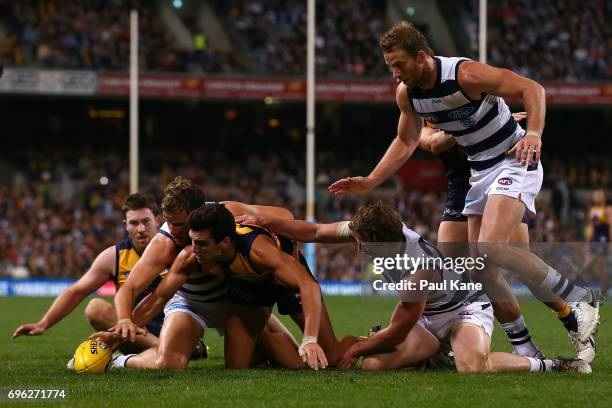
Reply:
x=423, y=318
x=114, y=263
x=264, y=269
x=275, y=343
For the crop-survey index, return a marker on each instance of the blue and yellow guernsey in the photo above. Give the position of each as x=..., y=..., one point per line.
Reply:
x=125, y=259
x=201, y=286
x=241, y=267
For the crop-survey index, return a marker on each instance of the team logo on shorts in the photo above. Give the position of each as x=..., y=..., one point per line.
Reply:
x=461, y=113
x=504, y=181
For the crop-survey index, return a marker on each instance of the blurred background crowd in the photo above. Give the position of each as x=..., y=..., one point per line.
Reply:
x=61, y=209
x=565, y=40
x=59, y=202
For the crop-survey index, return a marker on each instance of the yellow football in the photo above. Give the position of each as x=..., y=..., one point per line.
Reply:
x=92, y=356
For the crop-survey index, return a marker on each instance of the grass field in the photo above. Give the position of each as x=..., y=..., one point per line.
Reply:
x=38, y=362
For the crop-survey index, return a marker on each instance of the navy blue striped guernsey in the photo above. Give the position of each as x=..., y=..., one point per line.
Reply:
x=440, y=301
x=484, y=128
x=201, y=286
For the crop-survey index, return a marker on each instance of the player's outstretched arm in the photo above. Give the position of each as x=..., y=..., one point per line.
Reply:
x=159, y=253
x=302, y=231
x=238, y=208
x=267, y=256
x=404, y=317
x=100, y=271
x=403, y=146
x=155, y=301
x=476, y=78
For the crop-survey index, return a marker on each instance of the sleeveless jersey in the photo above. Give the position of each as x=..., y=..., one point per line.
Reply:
x=201, y=286
x=439, y=301
x=125, y=259
x=241, y=267
x=484, y=128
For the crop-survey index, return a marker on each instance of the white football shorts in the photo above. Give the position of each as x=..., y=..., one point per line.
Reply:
x=440, y=325
x=508, y=178
x=208, y=315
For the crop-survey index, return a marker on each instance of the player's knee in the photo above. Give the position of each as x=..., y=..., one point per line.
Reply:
x=237, y=364
x=476, y=363
x=98, y=313
x=171, y=361
x=492, y=250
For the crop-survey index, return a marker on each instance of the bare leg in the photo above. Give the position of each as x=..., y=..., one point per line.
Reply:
x=418, y=347
x=179, y=335
x=520, y=237
x=101, y=316
x=501, y=217
x=471, y=347
x=242, y=329
x=504, y=302
x=277, y=344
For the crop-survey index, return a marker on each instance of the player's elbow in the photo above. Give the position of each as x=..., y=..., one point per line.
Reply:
x=536, y=91
x=310, y=287
x=286, y=214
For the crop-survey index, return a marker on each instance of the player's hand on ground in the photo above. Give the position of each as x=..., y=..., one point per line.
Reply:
x=30, y=329
x=519, y=116
x=127, y=330
x=347, y=361
x=527, y=150
x=351, y=185
x=111, y=338
x=314, y=356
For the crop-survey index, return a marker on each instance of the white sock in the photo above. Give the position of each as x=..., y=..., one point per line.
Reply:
x=539, y=364
x=119, y=361
x=519, y=337
x=564, y=288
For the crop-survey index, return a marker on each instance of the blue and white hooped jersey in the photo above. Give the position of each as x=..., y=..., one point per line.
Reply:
x=201, y=286
x=440, y=301
x=484, y=128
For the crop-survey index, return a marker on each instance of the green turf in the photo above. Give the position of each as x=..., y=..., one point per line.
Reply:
x=38, y=362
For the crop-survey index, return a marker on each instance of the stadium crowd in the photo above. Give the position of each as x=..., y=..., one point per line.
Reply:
x=55, y=218
x=546, y=40
x=565, y=40
x=275, y=32
x=96, y=35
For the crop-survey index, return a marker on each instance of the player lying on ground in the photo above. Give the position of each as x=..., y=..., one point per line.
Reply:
x=422, y=319
x=454, y=229
x=115, y=262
